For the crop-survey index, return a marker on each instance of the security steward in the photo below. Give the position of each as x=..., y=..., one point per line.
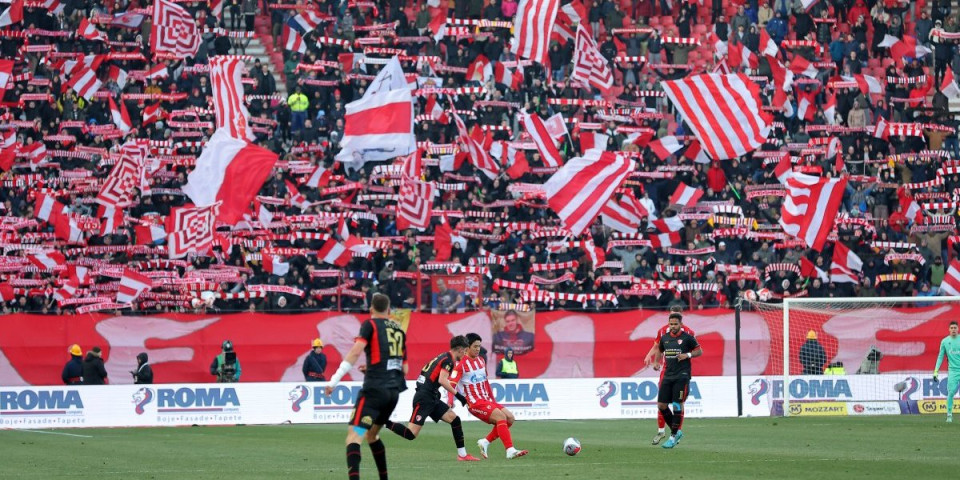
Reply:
x=73, y=371
x=315, y=363
x=507, y=368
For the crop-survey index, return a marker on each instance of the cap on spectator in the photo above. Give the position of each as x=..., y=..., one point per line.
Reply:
x=317, y=343
x=723, y=244
x=811, y=335
x=75, y=350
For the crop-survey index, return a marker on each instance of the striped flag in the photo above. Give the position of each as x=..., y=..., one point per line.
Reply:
x=85, y=83
x=478, y=148
x=132, y=284
x=722, y=110
x=305, y=22
x=662, y=147
x=416, y=203
x=569, y=16
x=589, y=67
x=538, y=133
x=121, y=117
x=810, y=207
x=378, y=127
x=685, y=195
x=118, y=75
x=532, y=26
x=802, y=66
x=624, y=215
x=89, y=31
x=951, y=281
x=844, y=264
x=580, y=189
x=47, y=260
x=292, y=41
x=225, y=83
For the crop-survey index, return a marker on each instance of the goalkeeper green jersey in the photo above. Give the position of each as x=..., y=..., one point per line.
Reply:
x=950, y=348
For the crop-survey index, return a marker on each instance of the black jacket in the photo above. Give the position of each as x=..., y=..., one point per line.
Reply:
x=313, y=367
x=73, y=371
x=143, y=375
x=812, y=357
x=94, y=372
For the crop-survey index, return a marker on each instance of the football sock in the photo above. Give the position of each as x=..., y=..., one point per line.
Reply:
x=660, y=422
x=457, y=433
x=677, y=421
x=504, y=430
x=493, y=435
x=680, y=423
x=401, y=430
x=667, y=417
x=353, y=460
x=380, y=457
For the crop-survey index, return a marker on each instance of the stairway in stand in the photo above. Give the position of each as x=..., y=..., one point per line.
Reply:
x=261, y=47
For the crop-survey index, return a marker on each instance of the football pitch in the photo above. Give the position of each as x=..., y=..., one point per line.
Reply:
x=914, y=446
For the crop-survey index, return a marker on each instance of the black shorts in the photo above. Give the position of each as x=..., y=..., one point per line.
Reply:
x=374, y=406
x=673, y=390
x=427, y=405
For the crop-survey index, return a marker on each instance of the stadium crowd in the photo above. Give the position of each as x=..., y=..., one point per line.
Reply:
x=730, y=240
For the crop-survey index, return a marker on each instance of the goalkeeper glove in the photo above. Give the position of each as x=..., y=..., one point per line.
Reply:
x=463, y=400
x=935, y=375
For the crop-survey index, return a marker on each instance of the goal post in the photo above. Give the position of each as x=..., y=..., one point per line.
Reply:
x=852, y=355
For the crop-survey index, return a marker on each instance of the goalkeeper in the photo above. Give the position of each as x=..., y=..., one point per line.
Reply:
x=950, y=348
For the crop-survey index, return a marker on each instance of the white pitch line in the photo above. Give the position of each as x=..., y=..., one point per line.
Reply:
x=55, y=433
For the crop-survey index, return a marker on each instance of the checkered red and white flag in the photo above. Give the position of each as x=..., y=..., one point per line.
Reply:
x=225, y=83
x=416, y=203
x=191, y=230
x=589, y=67
x=127, y=174
x=174, y=32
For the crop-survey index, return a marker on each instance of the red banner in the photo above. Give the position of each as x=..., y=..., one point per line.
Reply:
x=33, y=348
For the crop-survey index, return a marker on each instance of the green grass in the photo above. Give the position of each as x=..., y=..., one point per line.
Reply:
x=757, y=448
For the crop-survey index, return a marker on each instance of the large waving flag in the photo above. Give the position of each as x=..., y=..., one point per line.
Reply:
x=174, y=32
x=579, y=190
x=810, y=207
x=225, y=84
x=722, y=110
x=378, y=127
x=532, y=26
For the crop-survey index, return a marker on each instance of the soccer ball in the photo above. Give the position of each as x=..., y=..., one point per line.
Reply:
x=571, y=446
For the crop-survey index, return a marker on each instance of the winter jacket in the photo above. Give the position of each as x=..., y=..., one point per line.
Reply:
x=94, y=373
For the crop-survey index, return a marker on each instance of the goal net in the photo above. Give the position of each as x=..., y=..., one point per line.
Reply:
x=851, y=356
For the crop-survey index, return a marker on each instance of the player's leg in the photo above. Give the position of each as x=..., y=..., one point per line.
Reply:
x=680, y=390
x=361, y=420
x=953, y=383
x=661, y=423
x=417, y=419
x=482, y=410
x=499, y=415
x=456, y=427
x=377, y=448
x=664, y=398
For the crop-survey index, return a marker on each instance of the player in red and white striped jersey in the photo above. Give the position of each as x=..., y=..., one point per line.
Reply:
x=656, y=359
x=470, y=377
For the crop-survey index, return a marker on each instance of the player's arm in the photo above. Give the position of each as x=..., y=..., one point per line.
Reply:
x=696, y=350
x=451, y=382
x=653, y=356
x=366, y=332
x=940, y=357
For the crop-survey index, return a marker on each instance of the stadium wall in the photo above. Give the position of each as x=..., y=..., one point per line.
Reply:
x=546, y=399
x=271, y=348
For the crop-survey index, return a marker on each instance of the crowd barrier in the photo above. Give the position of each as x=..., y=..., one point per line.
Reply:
x=271, y=348
x=546, y=399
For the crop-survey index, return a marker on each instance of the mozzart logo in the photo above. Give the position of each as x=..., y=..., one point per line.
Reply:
x=187, y=400
x=39, y=402
x=636, y=394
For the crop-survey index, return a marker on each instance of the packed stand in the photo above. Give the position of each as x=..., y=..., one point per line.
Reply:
x=59, y=145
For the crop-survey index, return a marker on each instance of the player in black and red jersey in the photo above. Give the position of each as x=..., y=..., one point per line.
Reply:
x=427, y=403
x=385, y=345
x=656, y=360
x=677, y=347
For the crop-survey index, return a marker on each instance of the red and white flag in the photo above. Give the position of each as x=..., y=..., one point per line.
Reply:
x=157, y=71
x=435, y=111
x=230, y=172
x=810, y=208
x=296, y=198
x=951, y=281
x=589, y=66
x=378, y=127
x=668, y=224
x=784, y=167
x=685, y=195
x=511, y=78
x=809, y=270
x=292, y=41
x=319, y=178
x=65, y=228
x=339, y=254
x=909, y=206
x=532, y=26
x=226, y=73
x=722, y=110
x=47, y=260
x=151, y=234
x=624, y=215
x=903, y=48
x=545, y=145
x=806, y=103
x=47, y=207
x=416, y=203
x=273, y=265
x=948, y=86
x=89, y=31
x=36, y=152
x=6, y=72
x=480, y=70
x=767, y=46
x=132, y=284
x=568, y=18
x=802, y=66
x=844, y=264
x=121, y=117
x=664, y=240
x=477, y=146
x=85, y=83
x=191, y=230
x=881, y=129
x=591, y=140
x=118, y=76
x=665, y=146
x=117, y=189
x=868, y=85
x=174, y=31
x=580, y=189
x=152, y=113
x=13, y=14
x=830, y=109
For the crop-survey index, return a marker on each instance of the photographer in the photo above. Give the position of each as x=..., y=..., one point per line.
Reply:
x=143, y=375
x=225, y=366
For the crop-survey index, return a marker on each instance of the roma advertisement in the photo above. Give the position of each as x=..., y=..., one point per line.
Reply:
x=271, y=348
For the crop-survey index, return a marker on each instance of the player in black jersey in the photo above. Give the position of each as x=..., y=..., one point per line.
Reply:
x=678, y=347
x=427, y=401
x=385, y=345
